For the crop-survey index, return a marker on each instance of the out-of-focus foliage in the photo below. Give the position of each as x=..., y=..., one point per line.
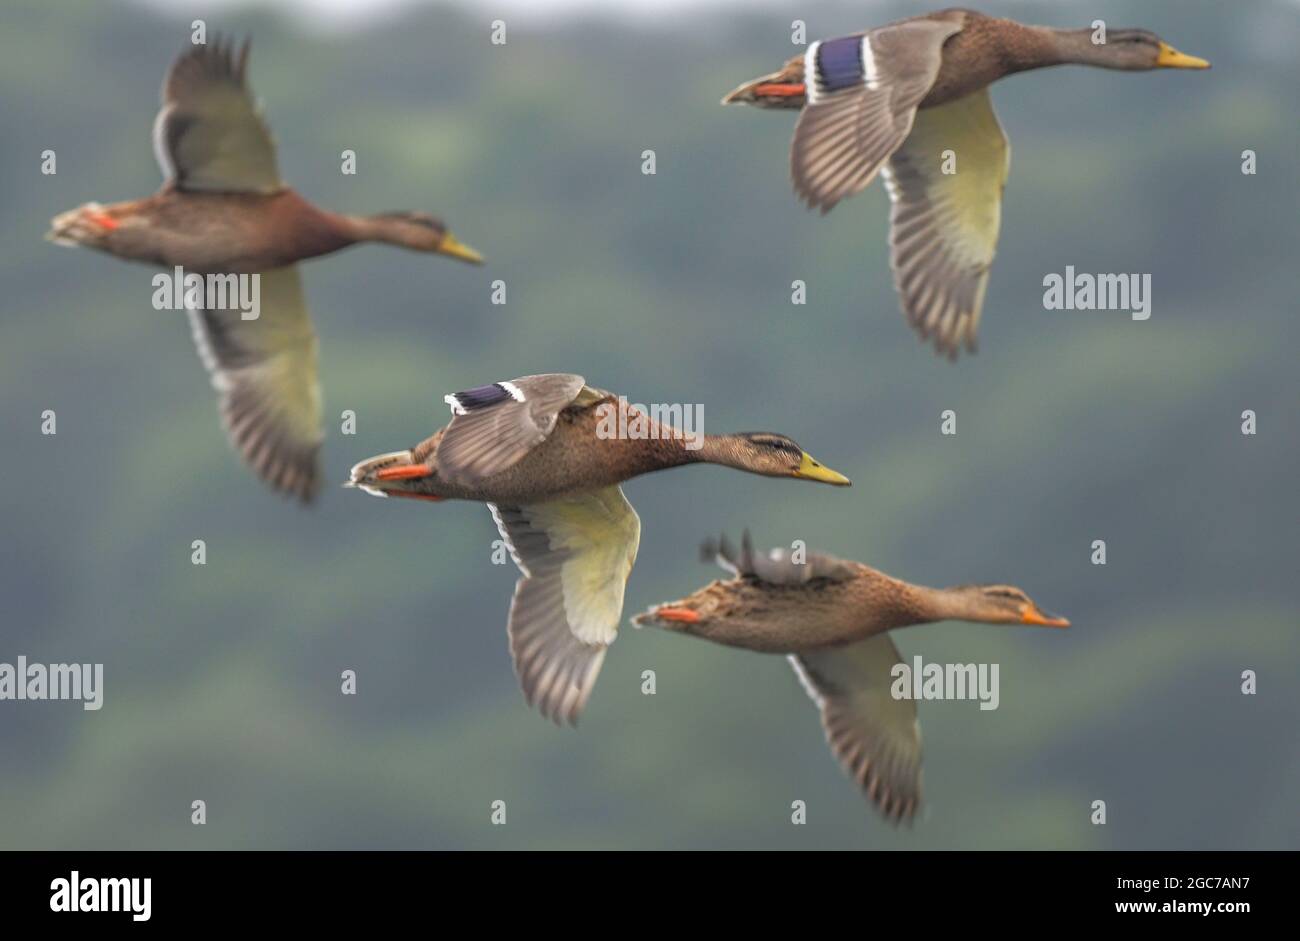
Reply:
x=222, y=681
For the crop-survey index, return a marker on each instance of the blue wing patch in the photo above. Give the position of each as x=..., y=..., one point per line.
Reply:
x=839, y=63
x=481, y=397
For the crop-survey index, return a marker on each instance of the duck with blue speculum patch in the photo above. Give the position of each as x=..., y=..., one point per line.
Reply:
x=894, y=100
x=534, y=451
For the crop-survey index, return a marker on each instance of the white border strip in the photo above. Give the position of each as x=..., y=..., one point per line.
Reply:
x=869, y=73
x=812, y=91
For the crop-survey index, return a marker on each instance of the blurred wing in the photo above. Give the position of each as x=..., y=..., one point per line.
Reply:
x=862, y=93
x=944, y=226
x=575, y=555
x=209, y=134
x=778, y=565
x=265, y=373
x=875, y=737
x=494, y=426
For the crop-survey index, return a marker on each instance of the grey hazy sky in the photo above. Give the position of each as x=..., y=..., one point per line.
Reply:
x=337, y=13
x=341, y=11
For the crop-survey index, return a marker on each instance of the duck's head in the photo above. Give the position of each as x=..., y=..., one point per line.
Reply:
x=1002, y=604
x=420, y=232
x=772, y=455
x=1139, y=50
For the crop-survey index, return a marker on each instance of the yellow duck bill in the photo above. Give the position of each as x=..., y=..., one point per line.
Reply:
x=810, y=469
x=1171, y=58
x=453, y=248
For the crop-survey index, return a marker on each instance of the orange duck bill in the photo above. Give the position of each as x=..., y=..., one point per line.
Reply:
x=1032, y=614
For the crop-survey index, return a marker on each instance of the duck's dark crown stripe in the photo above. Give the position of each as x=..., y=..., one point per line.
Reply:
x=839, y=63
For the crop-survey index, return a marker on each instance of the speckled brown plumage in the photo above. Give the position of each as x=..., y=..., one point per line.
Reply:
x=773, y=604
x=222, y=206
x=574, y=457
x=832, y=617
x=223, y=210
x=547, y=454
x=909, y=101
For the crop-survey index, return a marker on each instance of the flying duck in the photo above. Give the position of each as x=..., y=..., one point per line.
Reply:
x=223, y=209
x=537, y=451
x=910, y=101
x=831, y=617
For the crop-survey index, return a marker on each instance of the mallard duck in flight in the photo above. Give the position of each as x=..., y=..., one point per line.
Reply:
x=893, y=100
x=223, y=209
x=831, y=617
x=532, y=449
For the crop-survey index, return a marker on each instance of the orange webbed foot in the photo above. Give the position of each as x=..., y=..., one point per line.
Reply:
x=101, y=219
x=403, y=472
x=684, y=615
x=779, y=90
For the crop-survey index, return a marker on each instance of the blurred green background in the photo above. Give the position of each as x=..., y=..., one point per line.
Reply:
x=222, y=681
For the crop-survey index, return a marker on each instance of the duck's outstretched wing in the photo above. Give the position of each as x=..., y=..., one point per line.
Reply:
x=264, y=371
x=862, y=92
x=778, y=566
x=946, y=213
x=494, y=426
x=875, y=737
x=210, y=134
x=575, y=554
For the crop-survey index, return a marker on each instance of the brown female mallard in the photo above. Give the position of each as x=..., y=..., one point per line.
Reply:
x=537, y=451
x=223, y=209
x=896, y=100
x=832, y=618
